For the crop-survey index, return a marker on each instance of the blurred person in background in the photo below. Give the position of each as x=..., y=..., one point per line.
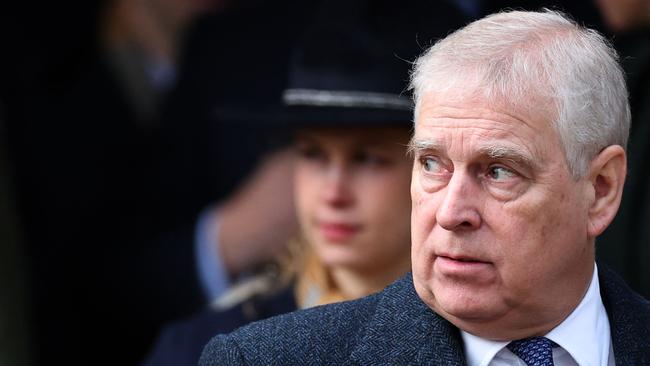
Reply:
x=345, y=101
x=626, y=243
x=108, y=236
x=219, y=68
x=625, y=16
x=142, y=41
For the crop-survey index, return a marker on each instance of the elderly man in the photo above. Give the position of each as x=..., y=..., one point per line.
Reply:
x=521, y=122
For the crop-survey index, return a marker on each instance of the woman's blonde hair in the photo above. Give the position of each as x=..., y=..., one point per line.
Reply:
x=312, y=283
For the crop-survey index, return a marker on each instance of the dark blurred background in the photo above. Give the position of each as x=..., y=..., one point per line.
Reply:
x=110, y=147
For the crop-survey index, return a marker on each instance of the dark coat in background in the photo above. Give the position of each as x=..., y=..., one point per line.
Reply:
x=181, y=343
x=394, y=327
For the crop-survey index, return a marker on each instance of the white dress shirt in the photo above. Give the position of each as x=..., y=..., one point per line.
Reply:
x=584, y=338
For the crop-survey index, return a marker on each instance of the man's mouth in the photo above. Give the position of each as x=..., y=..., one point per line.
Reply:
x=462, y=259
x=460, y=265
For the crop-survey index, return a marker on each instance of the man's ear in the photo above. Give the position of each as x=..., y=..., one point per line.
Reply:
x=607, y=175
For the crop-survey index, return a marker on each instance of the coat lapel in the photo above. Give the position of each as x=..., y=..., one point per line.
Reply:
x=404, y=331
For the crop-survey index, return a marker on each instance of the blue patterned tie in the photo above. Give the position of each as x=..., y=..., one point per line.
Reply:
x=535, y=351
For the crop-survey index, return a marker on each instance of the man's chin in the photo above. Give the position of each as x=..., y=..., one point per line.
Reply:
x=458, y=302
x=465, y=315
x=466, y=308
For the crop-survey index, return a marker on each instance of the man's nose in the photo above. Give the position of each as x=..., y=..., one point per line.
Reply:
x=459, y=208
x=337, y=191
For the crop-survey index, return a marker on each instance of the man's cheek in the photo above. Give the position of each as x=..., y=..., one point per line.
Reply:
x=423, y=210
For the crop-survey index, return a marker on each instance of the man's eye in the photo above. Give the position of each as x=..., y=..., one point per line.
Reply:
x=430, y=165
x=500, y=173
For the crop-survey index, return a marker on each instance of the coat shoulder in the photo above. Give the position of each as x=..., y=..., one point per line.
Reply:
x=321, y=335
x=629, y=316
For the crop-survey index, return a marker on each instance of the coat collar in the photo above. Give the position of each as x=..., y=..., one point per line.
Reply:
x=629, y=319
x=405, y=331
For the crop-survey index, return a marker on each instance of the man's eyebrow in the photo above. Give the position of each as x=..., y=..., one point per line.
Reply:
x=417, y=145
x=508, y=153
x=496, y=152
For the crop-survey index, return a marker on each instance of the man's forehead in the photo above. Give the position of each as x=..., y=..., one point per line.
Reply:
x=453, y=108
x=474, y=116
x=465, y=139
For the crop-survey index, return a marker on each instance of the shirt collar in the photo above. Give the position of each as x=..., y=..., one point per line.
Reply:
x=584, y=331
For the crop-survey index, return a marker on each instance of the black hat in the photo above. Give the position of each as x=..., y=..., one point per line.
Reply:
x=352, y=65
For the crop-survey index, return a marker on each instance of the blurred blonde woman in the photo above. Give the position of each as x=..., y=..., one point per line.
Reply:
x=351, y=122
x=353, y=206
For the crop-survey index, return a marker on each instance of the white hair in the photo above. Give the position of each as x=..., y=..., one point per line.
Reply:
x=540, y=61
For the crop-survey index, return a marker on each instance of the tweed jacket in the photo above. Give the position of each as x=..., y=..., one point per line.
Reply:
x=394, y=327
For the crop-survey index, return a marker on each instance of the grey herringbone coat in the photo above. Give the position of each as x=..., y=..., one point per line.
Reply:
x=394, y=327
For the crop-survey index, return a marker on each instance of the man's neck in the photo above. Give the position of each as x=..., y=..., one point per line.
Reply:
x=584, y=335
x=517, y=322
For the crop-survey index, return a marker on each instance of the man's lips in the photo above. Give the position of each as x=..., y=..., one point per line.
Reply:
x=337, y=232
x=461, y=258
x=460, y=265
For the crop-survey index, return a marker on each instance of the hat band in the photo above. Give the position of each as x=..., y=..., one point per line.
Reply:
x=345, y=99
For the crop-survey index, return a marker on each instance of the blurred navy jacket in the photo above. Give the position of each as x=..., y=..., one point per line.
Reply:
x=181, y=343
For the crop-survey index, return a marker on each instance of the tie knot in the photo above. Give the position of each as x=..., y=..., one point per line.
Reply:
x=534, y=351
